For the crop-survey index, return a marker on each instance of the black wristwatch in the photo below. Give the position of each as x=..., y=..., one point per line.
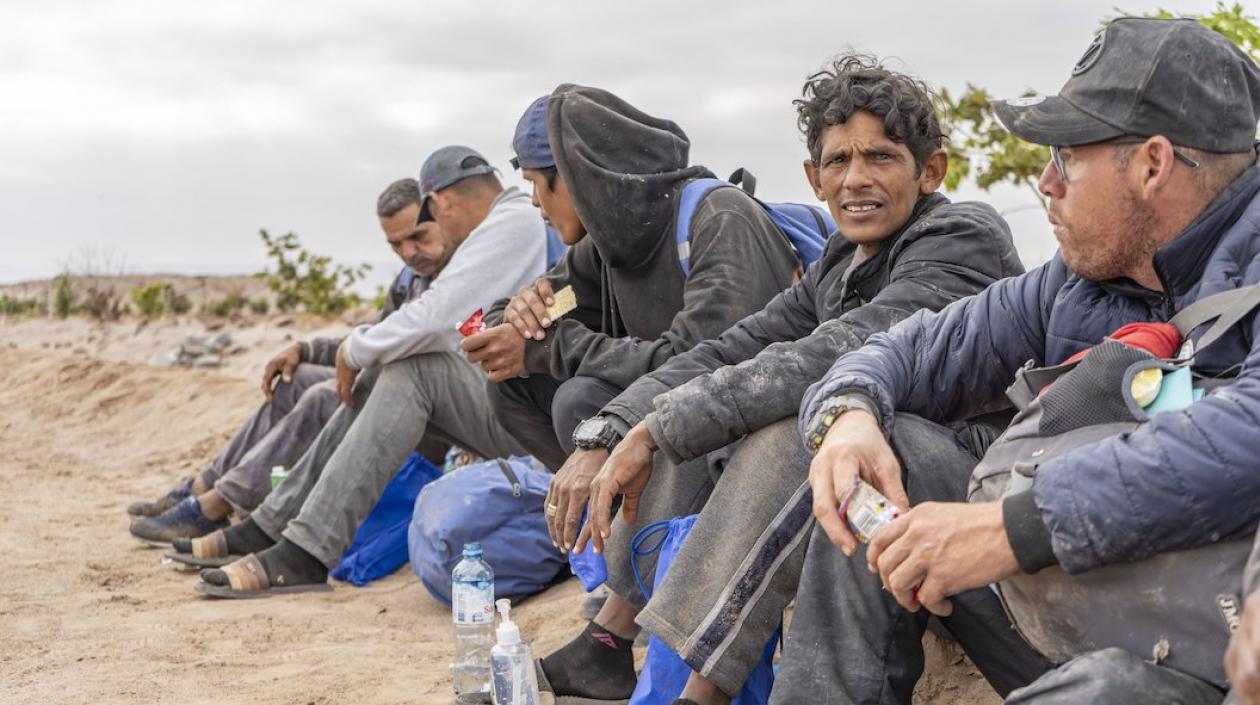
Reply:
x=596, y=432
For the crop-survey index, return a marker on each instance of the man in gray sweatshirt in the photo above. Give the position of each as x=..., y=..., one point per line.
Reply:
x=399, y=380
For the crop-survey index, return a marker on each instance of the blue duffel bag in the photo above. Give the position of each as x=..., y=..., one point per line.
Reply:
x=380, y=544
x=497, y=503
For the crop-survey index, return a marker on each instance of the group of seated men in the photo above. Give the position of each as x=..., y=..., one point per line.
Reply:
x=752, y=393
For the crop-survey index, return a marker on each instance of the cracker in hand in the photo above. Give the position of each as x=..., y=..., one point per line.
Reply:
x=566, y=301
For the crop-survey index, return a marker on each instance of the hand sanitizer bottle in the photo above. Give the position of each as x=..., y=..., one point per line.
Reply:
x=512, y=664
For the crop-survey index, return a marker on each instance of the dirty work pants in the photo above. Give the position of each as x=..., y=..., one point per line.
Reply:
x=1251, y=582
x=276, y=434
x=541, y=412
x=754, y=548
x=339, y=479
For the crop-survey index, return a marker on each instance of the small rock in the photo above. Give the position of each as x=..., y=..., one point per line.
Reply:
x=284, y=322
x=207, y=360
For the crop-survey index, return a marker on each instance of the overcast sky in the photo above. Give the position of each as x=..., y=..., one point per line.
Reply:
x=169, y=133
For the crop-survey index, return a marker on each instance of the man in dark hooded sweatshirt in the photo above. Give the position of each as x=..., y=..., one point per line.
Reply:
x=875, y=157
x=606, y=176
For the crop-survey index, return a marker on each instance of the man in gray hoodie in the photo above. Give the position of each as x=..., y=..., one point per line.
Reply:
x=399, y=380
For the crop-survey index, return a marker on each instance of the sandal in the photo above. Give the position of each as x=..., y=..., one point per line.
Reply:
x=248, y=579
x=209, y=551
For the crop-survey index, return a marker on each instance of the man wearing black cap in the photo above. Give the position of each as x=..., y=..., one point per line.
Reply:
x=1154, y=195
x=415, y=382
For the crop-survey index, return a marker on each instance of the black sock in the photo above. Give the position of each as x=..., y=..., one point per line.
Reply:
x=597, y=664
x=286, y=565
x=245, y=537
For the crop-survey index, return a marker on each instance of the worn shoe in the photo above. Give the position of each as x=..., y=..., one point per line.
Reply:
x=170, y=499
x=184, y=520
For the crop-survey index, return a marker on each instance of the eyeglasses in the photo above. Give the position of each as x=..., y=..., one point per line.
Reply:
x=1056, y=154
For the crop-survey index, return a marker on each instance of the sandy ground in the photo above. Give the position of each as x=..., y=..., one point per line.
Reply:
x=87, y=615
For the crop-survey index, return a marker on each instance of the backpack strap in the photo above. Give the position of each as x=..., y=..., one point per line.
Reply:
x=745, y=179
x=689, y=198
x=402, y=284
x=1226, y=308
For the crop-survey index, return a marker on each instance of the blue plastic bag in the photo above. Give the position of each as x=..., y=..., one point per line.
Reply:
x=589, y=567
x=664, y=674
x=498, y=504
x=380, y=544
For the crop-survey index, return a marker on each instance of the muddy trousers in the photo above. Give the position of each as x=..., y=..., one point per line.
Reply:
x=276, y=434
x=339, y=479
x=541, y=412
x=849, y=641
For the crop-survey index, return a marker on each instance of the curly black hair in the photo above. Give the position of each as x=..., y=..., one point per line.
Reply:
x=859, y=82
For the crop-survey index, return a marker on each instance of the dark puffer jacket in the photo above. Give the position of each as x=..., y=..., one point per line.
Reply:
x=623, y=169
x=1184, y=479
x=755, y=373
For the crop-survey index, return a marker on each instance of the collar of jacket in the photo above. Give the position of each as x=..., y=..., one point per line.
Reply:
x=1181, y=262
x=876, y=262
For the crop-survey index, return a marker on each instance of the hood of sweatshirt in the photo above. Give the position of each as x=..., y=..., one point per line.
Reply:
x=622, y=167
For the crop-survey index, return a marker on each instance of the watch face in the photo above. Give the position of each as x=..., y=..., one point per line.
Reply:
x=588, y=431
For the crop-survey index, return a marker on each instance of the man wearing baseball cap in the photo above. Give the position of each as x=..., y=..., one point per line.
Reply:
x=414, y=382
x=1154, y=195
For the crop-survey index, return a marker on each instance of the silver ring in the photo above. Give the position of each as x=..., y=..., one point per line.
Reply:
x=551, y=510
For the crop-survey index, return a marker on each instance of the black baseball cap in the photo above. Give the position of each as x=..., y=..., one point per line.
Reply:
x=1148, y=77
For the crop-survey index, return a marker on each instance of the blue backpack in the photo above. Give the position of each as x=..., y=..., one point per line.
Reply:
x=806, y=227
x=498, y=503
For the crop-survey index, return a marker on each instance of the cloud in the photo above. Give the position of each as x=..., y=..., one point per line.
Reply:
x=172, y=132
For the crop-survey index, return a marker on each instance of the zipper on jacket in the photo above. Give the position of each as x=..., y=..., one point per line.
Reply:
x=511, y=477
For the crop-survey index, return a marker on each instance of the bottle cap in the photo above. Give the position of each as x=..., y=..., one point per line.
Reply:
x=508, y=633
x=472, y=550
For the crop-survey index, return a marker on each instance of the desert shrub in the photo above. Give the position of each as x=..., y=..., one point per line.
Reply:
x=13, y=306
x=306, y=280
x=154, y=300
x=230, y=305
x=64, y=296
x=103, y=303
x=259, y=305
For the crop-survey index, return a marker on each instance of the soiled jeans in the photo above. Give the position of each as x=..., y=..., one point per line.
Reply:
x=339, y=479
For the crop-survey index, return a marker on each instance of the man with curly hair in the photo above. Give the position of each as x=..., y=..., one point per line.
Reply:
x=718, y=422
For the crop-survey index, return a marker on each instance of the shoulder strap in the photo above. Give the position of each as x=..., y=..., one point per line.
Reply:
x=745, y=179
x=1226, y=308
x=688, y=198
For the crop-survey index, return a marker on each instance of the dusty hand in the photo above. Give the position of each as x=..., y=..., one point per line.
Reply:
x=940, y=549
x=1242, y=660
x=281, y=366
x=499, y=351
x=345, y=377
x=854, y=447
x=626, y=473
x=568, y=493
x=527, y=311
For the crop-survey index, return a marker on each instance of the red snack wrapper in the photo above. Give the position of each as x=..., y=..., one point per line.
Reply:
x=475, y=324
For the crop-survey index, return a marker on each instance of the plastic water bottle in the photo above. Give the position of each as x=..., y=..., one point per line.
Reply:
x=472, y=610
x=512, y=664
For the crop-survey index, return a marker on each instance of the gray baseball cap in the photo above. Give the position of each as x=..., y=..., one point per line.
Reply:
x=447, y=166
x=1148, y=77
